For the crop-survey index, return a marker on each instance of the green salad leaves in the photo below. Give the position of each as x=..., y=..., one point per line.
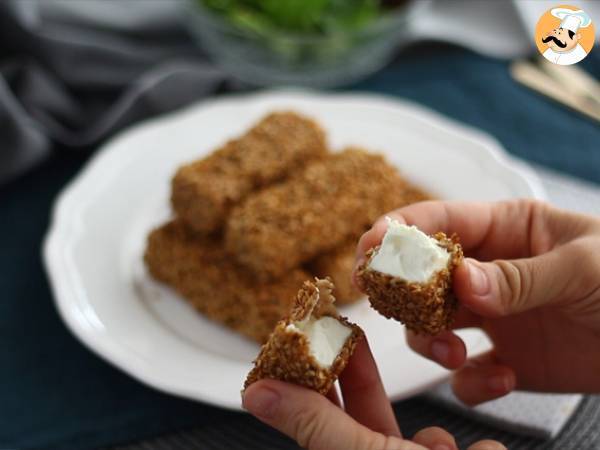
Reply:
x=265, y=17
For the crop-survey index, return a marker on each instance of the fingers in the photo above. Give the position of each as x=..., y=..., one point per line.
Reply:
x=505, y=287
x=498, y=229
x=317, y=424
x=364, y=396
x=470, y=220
x=304, y=415
x=509, y=229
x=487, y=445
x=536, y=249
x=312, y=420
x=502, y=230
x=482, y=379
x=435, y=438
x=446, y=349
x=476, y=380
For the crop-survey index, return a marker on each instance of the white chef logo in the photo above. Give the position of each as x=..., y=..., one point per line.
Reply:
x=565, y=35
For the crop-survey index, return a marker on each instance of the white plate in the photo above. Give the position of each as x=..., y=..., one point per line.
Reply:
x=94, y=246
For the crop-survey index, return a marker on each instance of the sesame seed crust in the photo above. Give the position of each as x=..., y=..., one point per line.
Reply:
x=198, y=269
x=424, y=308
x=286, y=355
x=338, y=265
x=204, y=191
x=332, y=200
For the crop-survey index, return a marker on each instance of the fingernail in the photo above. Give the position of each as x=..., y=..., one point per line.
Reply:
x=440, y=350
x=499, y=383
x=480, y=284
x=262, y=402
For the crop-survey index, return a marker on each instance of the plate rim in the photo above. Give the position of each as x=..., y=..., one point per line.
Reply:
x=60, y=230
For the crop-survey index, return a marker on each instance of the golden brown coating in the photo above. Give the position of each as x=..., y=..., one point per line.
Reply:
x=202, y=273
x=286, y=355
x=204, y=191
x=332, y=200
x=338, y=264
x=425, y=308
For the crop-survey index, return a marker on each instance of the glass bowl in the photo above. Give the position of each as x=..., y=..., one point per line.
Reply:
x=312, y=60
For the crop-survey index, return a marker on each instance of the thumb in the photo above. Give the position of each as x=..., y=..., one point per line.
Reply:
x=312, y=420
x=504, y=287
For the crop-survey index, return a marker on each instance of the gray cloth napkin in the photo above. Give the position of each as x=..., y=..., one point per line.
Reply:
x=538, y=415
x=71, y=79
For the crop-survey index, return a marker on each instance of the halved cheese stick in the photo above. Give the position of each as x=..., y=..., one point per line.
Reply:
x=409, y=277
x=338, y=263
x=312, y=345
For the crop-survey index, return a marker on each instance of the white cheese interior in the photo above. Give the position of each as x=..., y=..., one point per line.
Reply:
x=326, y=337
x=408, y=253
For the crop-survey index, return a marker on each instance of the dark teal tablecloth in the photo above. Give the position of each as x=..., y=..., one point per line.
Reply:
x=55, y=393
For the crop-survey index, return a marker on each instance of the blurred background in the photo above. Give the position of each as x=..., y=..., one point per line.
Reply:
x=75, y=72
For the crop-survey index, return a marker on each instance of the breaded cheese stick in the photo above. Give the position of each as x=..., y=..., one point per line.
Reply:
x=290, y=223
x=409, y=277
x=204, y=191
x=204, y=275
x=312, y=345
x=338, y=264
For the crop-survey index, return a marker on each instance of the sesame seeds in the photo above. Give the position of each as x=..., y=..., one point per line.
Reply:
x=425, y=308
x=204, y=191
x=286, y=355
x=315, y=211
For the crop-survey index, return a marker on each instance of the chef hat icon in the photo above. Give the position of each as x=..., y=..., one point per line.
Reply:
x=572, y=20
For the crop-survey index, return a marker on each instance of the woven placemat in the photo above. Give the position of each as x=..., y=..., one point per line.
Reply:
x=245, y=432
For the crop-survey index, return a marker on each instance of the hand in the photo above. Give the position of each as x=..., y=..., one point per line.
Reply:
x=534, y=288
x=367, y=422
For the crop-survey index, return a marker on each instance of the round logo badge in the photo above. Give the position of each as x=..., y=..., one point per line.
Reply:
x=565, y=35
